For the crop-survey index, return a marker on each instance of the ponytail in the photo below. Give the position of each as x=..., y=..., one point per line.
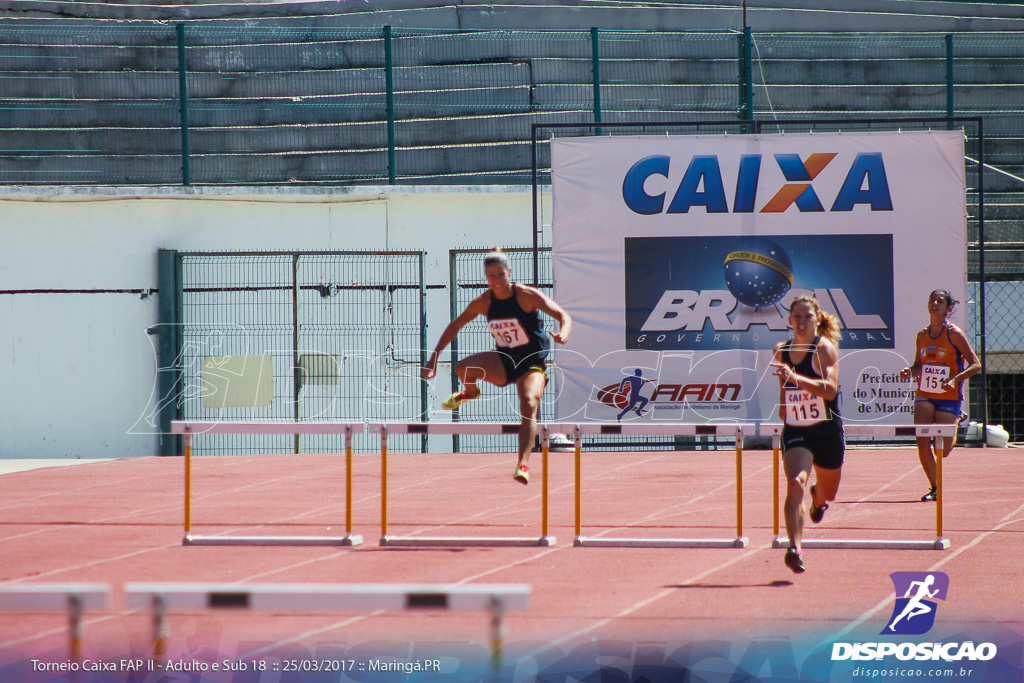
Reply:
x=828, y=327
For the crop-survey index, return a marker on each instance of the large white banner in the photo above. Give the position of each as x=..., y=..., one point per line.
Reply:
x=678, y=256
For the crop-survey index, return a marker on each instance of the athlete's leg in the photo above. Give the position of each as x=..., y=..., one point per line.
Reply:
x=944, y=418
x=531, y=391
x=924, y=414
x=826, y=485
x=797, y=462
x=485, y=366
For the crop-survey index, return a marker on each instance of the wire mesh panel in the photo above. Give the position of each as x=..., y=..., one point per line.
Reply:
x=340, y=333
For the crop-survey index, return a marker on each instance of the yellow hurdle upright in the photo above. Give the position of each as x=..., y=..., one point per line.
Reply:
x=932, y=431
x=451, y=428
x=736, y=431
x=187, y=429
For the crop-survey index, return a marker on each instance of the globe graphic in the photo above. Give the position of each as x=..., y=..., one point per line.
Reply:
x=758, y=272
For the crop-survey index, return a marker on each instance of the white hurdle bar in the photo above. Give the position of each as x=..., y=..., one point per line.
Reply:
x=450, y=428
x=164, y=598
x=76, y=598
x=736, y=431
x=188, y=428
x=932, y=431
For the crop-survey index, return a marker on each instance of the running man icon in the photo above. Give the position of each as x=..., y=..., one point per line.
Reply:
x=636, y=383
x=917, y=606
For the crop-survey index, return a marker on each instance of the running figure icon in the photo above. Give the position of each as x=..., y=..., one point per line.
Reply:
x=636, y=382
x=916, y=605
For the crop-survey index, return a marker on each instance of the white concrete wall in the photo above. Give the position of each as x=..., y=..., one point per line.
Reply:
x=77, y=368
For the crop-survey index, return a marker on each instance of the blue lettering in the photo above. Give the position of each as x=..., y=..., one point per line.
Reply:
x=712, y=197
x=869, y=168
x=633, y=192
x=746, y=183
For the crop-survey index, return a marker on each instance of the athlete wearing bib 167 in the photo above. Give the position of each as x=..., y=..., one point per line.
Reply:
x=812, y=436
x=943, y=360
x=513, y=317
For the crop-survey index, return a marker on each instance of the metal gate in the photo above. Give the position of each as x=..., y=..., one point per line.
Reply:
x=330, y=335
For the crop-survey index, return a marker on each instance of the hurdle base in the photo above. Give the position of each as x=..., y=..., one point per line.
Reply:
x=465, y=541
x=740, y=542
x=347, y=539
x=865, y=544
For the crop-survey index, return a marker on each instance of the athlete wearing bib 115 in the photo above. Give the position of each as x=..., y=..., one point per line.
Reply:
x=812, y=434
x=943, y=361
x=513, y=317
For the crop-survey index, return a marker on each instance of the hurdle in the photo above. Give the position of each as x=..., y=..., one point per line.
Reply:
x=76, y=598
x=934, y=431
x=737, y=431
x=188, y=428
x=450, y=428
x=164, y=598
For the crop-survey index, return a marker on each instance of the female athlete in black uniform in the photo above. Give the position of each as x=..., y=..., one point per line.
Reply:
x=808, y=371
x=512, y=312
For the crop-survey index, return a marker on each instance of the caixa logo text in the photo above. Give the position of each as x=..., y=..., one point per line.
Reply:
x=702, y=185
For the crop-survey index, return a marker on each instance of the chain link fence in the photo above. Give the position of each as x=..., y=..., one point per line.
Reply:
x=300, y=335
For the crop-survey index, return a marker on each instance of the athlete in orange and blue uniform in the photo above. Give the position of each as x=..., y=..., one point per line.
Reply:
x=943, y=360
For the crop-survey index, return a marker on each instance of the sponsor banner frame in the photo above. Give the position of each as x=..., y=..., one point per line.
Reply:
x=873, y=394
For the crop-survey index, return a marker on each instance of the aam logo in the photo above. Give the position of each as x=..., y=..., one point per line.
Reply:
x=625, y=398
x=914, y=613
x=702, y=185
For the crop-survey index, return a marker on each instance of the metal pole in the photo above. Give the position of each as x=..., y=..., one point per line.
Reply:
x=348, y=479
x=983, y=344
x=739, y=483
x=579, y=457
x=536, y=208
x=383, y=482
x=949, y=80
x=187, y=440
x=424, y=405
x=453, y=294
x=390, y=103
x=296, y=370
x=186, y=175
x=746, y=111
x=775, y=485
x=595, y=65
x=75, y=609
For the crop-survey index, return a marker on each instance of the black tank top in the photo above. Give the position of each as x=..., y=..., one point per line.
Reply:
x=806, y=368
x=516, y=332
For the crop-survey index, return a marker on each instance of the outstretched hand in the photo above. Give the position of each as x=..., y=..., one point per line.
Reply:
x=559, y=337
x=784, y=371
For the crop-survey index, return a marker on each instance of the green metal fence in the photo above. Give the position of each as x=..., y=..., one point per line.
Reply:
x=154, y=104
x=341, y=332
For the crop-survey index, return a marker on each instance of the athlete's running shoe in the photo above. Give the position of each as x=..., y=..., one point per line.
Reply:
x=930, y=496
x=794, y=561
x=522, y=474
x=456, y=400
x=816, y=513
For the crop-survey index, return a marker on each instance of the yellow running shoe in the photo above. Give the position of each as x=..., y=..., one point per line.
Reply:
x=456, y=400
x=522, y=474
